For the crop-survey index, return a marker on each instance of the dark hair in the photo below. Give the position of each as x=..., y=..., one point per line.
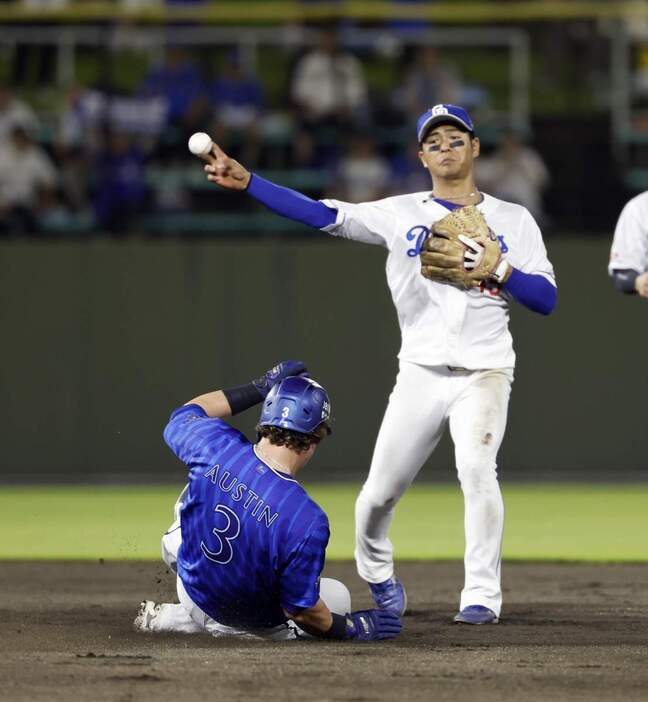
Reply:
x=294, y=440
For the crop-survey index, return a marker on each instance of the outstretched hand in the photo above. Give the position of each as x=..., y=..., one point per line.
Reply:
x=225, y=171
x=372, y=625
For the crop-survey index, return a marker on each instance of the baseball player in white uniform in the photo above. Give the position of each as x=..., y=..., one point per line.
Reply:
x=456, y=357
x=629, y=256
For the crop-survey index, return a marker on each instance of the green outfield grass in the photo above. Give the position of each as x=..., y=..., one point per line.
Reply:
x=543, y=522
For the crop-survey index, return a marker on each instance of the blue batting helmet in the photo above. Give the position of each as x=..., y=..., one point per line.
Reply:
x=296, y=403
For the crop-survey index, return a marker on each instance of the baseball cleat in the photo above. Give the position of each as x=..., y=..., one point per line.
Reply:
x=390, y=595
x=146, y=614
x=476, y=614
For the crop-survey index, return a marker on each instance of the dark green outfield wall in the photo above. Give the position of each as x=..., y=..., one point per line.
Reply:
x=100, y=341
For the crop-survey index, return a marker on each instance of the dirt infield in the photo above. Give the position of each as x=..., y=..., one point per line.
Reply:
x=569, y=632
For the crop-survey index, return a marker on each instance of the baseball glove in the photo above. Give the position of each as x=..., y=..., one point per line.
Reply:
x=461, y=250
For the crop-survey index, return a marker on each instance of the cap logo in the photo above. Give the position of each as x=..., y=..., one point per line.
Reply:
x=439, y=110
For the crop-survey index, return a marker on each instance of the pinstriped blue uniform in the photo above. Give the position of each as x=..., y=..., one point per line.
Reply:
x=253, y=541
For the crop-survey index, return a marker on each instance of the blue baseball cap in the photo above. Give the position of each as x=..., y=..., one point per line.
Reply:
x=443, y=113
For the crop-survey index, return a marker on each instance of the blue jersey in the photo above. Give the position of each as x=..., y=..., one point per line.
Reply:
x=253, y=541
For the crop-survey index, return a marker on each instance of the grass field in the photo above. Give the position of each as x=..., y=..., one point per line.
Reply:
x=543, y=522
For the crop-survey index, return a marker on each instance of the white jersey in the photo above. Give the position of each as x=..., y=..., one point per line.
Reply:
x=630, y=245
x=440, y=324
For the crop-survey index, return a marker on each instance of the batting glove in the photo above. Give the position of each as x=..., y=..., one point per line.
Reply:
x=278, y=373
x=372, y=625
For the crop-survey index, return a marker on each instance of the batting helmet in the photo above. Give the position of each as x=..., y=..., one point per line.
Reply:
x=296, y=403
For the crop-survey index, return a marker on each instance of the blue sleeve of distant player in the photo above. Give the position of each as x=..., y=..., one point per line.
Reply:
x=291, y=204
x=190, y=431
x=533, y=291
x=299, y=586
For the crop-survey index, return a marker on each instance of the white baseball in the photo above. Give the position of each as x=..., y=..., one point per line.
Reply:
x=200, y=143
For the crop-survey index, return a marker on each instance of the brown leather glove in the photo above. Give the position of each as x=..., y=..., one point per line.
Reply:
x=461, y=250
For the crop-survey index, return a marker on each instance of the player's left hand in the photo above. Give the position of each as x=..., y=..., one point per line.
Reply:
x=462, y=250
x=277, y=373
x=373, y=625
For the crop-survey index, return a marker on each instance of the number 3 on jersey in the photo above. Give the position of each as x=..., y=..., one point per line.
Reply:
x=224, y=536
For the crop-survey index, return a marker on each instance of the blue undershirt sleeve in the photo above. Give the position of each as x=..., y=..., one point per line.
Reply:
x=291, y=204
x=532, y=290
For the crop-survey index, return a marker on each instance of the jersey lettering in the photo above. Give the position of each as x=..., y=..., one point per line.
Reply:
x=240, y=492
x=224, y=536
x=419, y=233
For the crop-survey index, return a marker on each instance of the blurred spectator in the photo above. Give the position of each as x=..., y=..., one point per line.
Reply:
x=329, y=91
x=514, y=172
x=27, y=178
x=238, y=103
x=90, y=112
x=121, y=191
x=74, y=167
x=329, y=84
x=78, y=139
x=429, y=81
x=82, y=121
x=178, y=81
x=138, y=116
x=15, y=113
x=363, y=174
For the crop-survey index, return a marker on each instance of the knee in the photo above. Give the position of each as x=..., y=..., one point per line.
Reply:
x=477, y=476
x=373, y=499
x=336, y=595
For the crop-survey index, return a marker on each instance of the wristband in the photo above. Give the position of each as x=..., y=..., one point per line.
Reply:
x=501, y=272
x=338, y=628
x=243, y=397
x=625, y=279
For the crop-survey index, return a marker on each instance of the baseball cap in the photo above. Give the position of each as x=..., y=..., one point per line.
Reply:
x=443, y=113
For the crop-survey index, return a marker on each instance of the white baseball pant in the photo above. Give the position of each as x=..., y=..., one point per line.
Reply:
x=475, y=404
x=187, y=618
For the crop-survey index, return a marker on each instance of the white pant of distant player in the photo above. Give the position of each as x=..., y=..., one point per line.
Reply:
x=475, y=404
x=188, y=618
